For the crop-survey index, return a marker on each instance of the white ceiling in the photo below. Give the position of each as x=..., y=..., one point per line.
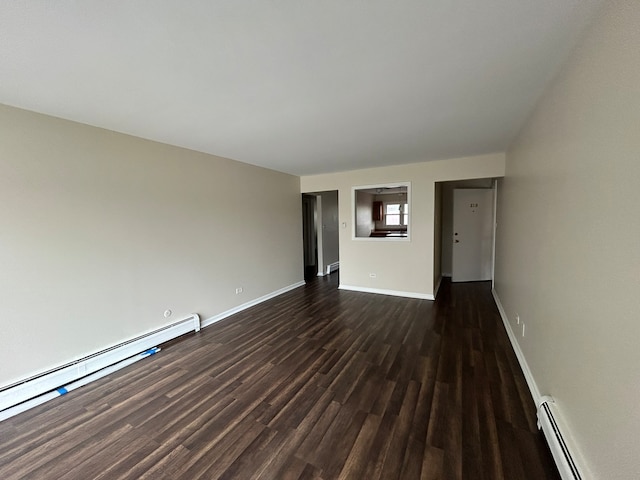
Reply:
x=298, y=86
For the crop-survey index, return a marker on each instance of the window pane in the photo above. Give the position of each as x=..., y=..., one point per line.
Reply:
x=405, y=220
x=393, y=219
x=393, y=208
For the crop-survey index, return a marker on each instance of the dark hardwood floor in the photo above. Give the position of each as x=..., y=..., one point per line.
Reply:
x=315, y=384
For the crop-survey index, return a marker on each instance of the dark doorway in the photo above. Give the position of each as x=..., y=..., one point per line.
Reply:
x=309, y=235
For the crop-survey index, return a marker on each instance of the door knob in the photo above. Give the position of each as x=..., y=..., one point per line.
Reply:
x=457, y=241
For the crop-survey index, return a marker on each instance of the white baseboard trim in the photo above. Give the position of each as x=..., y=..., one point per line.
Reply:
x=566, y=453
x=381, y=291
x=252, y=303
x=533, y=387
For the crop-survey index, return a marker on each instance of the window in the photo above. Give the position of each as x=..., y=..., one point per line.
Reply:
x=396, y=214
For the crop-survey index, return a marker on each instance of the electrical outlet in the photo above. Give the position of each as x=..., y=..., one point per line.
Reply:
x=373, y=275
x=238, y=290
x=517, y=319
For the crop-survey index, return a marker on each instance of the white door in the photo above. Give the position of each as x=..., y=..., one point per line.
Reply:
x=472, y=234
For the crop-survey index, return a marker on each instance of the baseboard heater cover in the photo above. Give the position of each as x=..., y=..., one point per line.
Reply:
x=559, y=449
x=332, y=267
x=37, y=389
x=58, y=392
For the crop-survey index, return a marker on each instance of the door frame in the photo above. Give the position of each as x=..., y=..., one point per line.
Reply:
x=445, y=230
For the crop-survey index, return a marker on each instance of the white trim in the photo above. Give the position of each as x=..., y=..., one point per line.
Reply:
x=252, y=303
x=533, y=387
x=43, y=382
x=319, y=233
x=63, y=390
x=332, y=267
x=381, y=291
x=495, y=227
x=378, y=239
x=564, y=454
x=402, y=213
x=560, y=460
x=382, y=239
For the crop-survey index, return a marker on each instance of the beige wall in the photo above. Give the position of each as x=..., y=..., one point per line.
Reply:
x=400, y=266
x=102, y=232
x=568, y=248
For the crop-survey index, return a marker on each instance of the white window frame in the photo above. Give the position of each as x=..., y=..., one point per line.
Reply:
x=402, y=214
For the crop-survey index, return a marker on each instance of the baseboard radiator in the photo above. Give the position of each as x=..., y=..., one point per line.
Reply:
x=557, y=444
x=40, y=388
x=332, y=267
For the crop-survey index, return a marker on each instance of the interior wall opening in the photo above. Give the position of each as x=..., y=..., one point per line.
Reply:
x=320, y=233
x=445, y=236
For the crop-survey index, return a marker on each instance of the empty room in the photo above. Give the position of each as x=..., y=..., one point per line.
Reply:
x=319, y=240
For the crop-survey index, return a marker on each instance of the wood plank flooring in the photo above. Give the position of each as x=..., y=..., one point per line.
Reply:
x=315, y=384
